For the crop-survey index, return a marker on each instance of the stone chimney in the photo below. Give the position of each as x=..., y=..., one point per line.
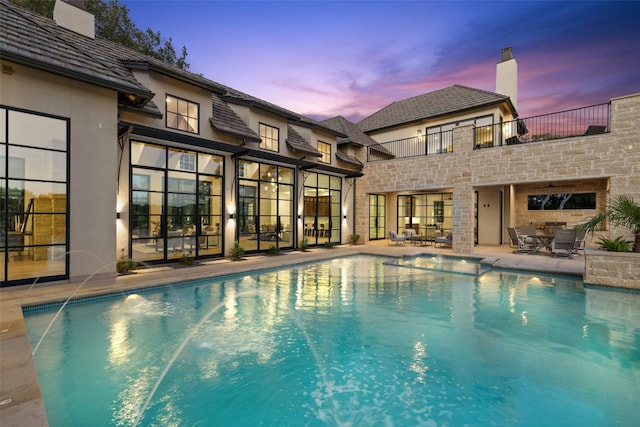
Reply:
x=71, y=15
x=507, y=76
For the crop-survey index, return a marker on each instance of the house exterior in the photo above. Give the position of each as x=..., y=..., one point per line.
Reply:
x=107, y=154
x=479, y=169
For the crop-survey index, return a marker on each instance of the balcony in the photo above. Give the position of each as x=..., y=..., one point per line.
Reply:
x=437, y=143
x=590, y=120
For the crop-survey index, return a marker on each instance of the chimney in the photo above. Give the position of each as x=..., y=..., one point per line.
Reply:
x=71, y=15
x=507, y=76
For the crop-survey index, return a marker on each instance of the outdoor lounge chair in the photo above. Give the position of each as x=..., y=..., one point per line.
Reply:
x=522, y=246
x=395, y=237
x=579, y=243
x=446, y=240
x=563, y=243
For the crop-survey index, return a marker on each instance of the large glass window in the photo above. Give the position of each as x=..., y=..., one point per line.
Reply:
x=322, y=208
x=265, y=206
x=176, y=202
x=33, y=197
x=429, y=214
x=270, y=137
x=182, y=114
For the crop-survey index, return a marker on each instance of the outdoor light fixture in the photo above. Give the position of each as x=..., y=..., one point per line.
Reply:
x=344, y=217
x=232, y=216
x=117, y=215
x=299, y=216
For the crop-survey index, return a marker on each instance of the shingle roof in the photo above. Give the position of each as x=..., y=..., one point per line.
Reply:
x=355, y=136
x=456, y=98
x=349, y=159
x=36, y=41
x=225, y=120
x=297, y=143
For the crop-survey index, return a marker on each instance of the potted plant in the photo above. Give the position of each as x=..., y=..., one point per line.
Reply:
x=304, y=244
x=236, y=251
x=353, y=239
x=186, y=258
x=124, y=264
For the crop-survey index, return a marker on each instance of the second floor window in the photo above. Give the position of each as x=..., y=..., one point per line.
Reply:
x=182, y=114
x=325, y=150
x=270, y=137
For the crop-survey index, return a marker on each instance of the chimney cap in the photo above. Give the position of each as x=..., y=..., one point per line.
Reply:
x=507, y=53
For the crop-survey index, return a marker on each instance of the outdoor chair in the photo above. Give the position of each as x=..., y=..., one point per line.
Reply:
x=522, y=246
x=396, y=238
x=563, y=243
x=410, y=234
x=579, y=242
x=528, y=232
x=446, y=240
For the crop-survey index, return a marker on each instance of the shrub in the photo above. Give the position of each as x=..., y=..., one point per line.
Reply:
x=236, y=251
x=616, y=245
x=124, y=264
x=353, y=239
x=274, y=250
x=304, y=244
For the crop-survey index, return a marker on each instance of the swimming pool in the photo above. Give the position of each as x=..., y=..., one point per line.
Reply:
x=351, y=342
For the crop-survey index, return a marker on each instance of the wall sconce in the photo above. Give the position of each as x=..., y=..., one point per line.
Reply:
x=232, y=216
x=117, y=215
x=299, y=216
x=344, y=217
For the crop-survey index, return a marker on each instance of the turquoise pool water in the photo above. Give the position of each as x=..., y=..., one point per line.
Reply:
x=351, y=342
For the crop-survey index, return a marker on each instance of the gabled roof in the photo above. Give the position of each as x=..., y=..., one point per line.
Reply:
x=225, y=120
x=297, y=143
x=237, y=97
x=453, y=99
x=355, y=136
x=36, y=41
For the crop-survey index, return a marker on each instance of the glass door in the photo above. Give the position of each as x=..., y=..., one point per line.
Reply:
x=377, y=204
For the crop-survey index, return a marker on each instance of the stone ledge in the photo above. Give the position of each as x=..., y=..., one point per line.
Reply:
x=618, y=269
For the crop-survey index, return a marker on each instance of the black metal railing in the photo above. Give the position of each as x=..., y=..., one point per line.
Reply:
x=436, y=143
x=591, y=120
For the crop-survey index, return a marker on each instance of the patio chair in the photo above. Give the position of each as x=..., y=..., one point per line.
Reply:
x=563, y=243
x=446, y=240
x=580, y=241
x=527, y=232
x=522, y=246
x=396, y=238
x=410, y=234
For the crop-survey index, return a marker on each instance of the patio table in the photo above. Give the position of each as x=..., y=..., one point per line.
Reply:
x=542, y=241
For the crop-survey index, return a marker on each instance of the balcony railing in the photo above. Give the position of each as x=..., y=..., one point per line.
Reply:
x=564, y=124
x=436, y=143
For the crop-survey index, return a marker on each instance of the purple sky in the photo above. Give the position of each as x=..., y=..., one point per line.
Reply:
x=329, y=58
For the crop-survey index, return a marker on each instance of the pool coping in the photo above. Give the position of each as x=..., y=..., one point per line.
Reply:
x=17, y=369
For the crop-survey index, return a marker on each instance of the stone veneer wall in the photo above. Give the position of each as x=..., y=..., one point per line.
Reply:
x=619, y=269
x=613, y=156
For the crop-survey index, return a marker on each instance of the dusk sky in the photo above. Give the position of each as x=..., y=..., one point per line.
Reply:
x=329, y=58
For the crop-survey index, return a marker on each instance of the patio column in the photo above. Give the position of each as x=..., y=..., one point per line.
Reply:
x=463, y=197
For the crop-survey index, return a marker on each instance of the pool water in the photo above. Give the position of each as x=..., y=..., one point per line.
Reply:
x=448, y=264
x=349, y=342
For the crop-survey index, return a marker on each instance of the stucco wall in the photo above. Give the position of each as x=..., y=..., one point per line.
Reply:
x=93, y=158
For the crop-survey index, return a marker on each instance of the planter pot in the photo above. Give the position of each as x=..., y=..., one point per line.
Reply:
x=619, y=269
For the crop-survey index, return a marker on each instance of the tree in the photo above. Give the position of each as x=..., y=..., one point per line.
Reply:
x=113, y=23
x=623, y=212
